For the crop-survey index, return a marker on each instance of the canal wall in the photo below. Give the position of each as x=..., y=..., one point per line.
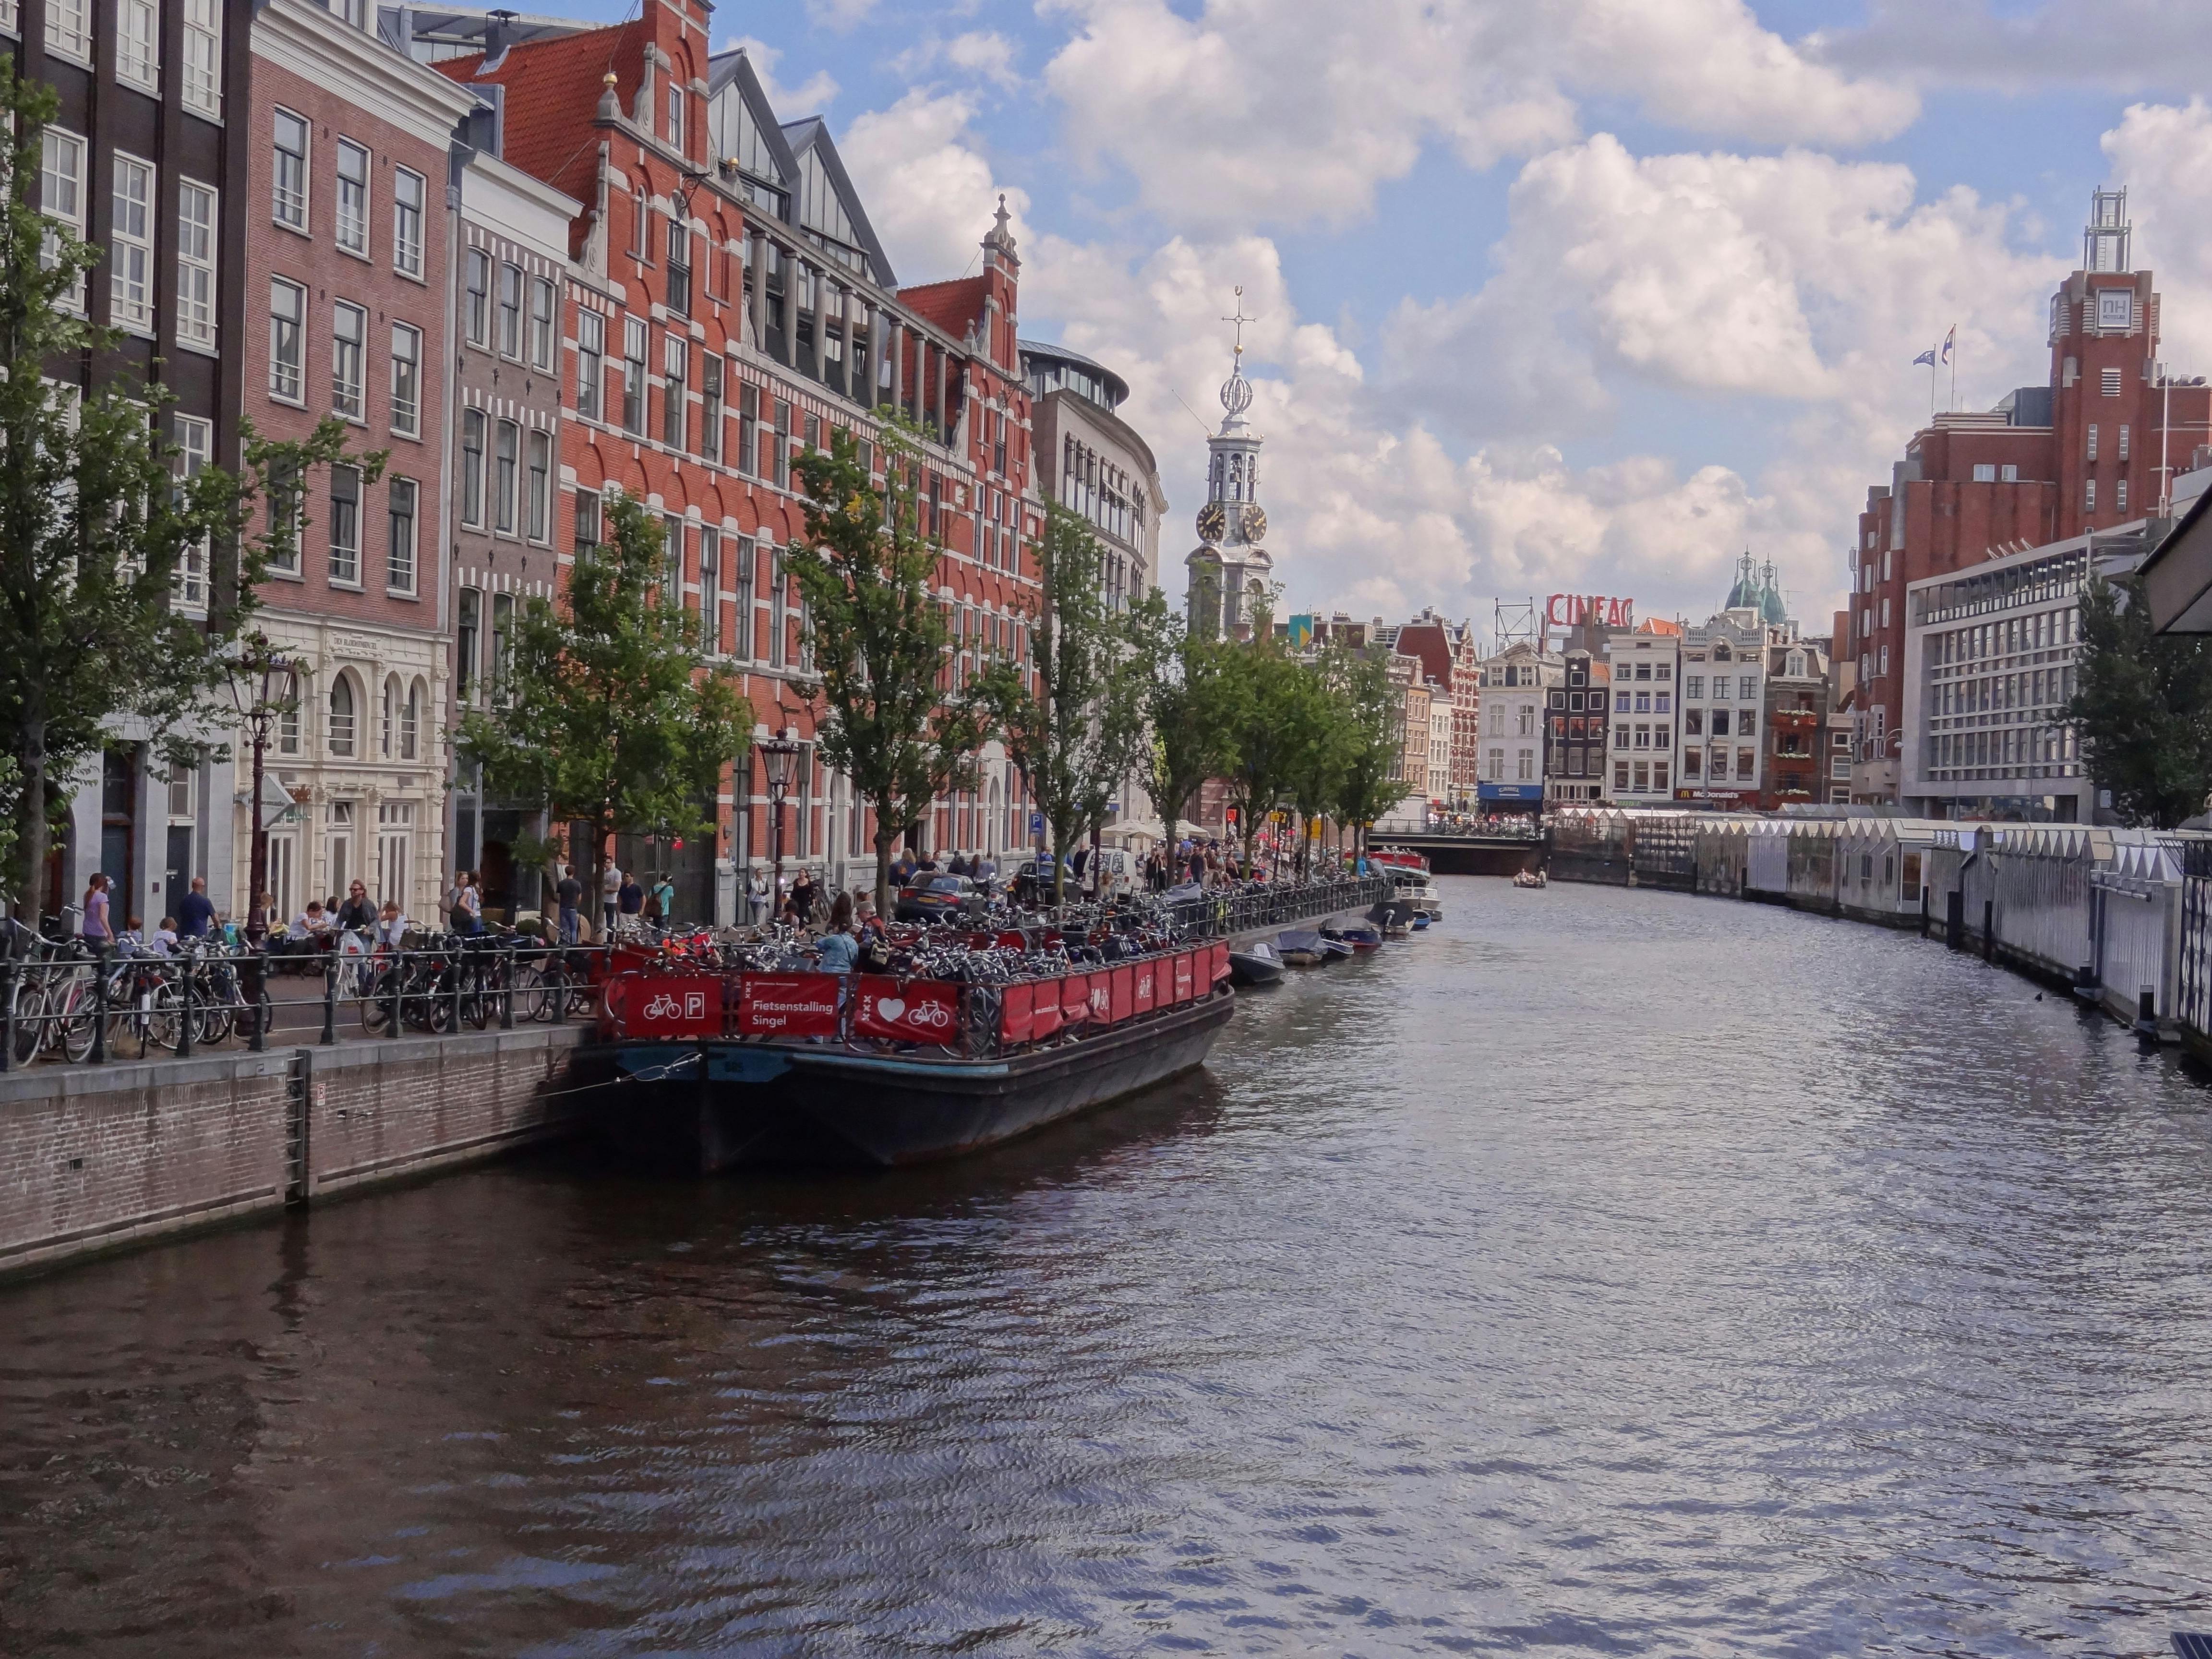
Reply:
x=96, y=1158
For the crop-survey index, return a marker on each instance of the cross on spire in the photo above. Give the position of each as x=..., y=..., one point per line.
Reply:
x=1240, y=319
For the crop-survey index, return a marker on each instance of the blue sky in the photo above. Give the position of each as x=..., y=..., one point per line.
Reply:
x=1589, y=294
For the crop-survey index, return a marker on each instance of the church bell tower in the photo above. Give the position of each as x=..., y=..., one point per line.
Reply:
x=1230, y=570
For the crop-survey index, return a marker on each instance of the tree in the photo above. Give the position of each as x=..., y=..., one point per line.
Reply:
x=1365, y=787
x=1282, y=714
x=1075, y=716
x=106, y=553
x=885, y=716
x=2143, y=707
x=605, y=713
x=1194, y=710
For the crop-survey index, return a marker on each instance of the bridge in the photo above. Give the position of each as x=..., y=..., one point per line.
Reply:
x=1470, y=855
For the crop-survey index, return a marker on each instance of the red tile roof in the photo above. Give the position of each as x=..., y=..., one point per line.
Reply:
x=1427, y=641
x=947, y=306
x=553, y=89
x=1655, y=625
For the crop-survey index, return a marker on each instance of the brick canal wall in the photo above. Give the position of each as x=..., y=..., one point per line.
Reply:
x=94, y=1157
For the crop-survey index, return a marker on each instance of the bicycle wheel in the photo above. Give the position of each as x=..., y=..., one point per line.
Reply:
x=79, y=1016
x=30, y=999
x=533, y=994
x=164, y=1019
x=376, y=1003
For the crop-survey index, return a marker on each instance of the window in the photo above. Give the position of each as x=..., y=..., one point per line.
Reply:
x=1720, y=722
x=1985, y=473
x=69, y=29
x=476, y=311
x=194, y=449
x=672, y=571
x=710, y=589
x=2089, y=495
x=139, y=44
x=2008, y=473
x=541, y=323
x=410, y=720
x=748, y=427
x=2124, y=442
x=675, y=417
x=510, y=310
x=284, y=520
x=1659, y=776
x=2120, y=495
x=590, y=365
x=349, y=347
x=679, y=268
x=741, y=630
x=633, y=343
x=353, y=197
x=468, y=624
x=407, y=221
x=131, y=295
x=1620, y=775
x=406, y=381
x=289, y=185
x=61, y=194
x=676, y=116
x=2091, y=452
x=342, y=716
x=1694, y=686
x=204, y=58
x=1747, y=763
x=710, y=406
x=541, y=486
x=1746, y=685
x=288, y=334
x=783, y=462
x=2111, y=382
x=1693, y=722
x=196, y=249
x=1620, y=737
x=399, y=556
x=345, y=526
x=505, y=464
x=472, y=467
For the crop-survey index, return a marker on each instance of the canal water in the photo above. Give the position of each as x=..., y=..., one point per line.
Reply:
x=1608, y=1271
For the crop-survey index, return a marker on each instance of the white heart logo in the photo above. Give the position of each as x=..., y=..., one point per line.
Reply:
x=890, y=1008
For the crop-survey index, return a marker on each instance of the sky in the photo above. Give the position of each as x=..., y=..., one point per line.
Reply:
x=1583, y=295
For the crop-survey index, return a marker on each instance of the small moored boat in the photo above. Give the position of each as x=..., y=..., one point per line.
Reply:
x=1304, y=949
x=1255, y=965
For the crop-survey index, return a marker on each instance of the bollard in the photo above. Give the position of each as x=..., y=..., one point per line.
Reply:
x=330, y=999
x=184, y=1019
x=1954, y=920
x=507, y=991
x=560, y=987
x=99, y=1005
x=257, y=987
x=460, y=960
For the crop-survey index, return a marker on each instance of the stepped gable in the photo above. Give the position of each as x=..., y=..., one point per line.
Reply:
x=552, y=97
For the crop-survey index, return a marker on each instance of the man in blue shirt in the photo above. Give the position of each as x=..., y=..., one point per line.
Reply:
x=195, y=915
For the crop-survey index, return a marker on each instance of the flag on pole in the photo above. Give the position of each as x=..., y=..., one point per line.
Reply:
x=1950, y=340
x=1927, y=357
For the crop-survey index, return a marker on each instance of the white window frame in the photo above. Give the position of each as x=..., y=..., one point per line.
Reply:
x=199, y=223
x=288, y=371
x=139, y=44
x=411, y=206
x=475, y=446
x=509, y=302
x=345, y=548
x=195, y=453
x=131, y=250
x=475, y=301
x=401, y=559
x=69, y=29
x=538, y=485
x=406, y=381
x=61, y=193
x=202, y=78
x=349, y=353
x=288, y=202
x=506, y=476
x=591, y=364
x=543, y=322
x=353, y=174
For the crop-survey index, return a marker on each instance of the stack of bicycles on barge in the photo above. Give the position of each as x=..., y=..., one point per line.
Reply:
x=946, y=1038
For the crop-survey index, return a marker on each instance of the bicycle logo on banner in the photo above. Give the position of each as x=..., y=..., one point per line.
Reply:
x=667, y=1005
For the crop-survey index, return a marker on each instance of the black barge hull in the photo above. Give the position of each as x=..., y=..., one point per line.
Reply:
x=713, y=1106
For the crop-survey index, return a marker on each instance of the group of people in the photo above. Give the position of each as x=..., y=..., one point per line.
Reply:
x=627, y=905
x=196, y=918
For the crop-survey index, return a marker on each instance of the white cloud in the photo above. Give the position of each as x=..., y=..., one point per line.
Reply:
x=840, y=15
x=984, y=54
x=1293, y=111
x=2163, y=153
x=2124, y=45
x=928, y=190
x=805, y=98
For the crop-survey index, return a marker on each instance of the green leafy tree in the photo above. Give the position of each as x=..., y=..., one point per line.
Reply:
x=1194, y=710
x=1364, y=786
x=1283, y=713
x=605, y=713
x=2143, y=707
x=123, y=586
x=886, y=716
x=1075, y=716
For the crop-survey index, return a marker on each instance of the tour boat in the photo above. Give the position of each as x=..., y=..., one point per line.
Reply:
x=1411, y=880
x=714, y=1070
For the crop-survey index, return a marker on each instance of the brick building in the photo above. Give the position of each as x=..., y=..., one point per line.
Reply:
x=2094, y=449
x=1450, y=658
x=728, y=304
x=348, y=260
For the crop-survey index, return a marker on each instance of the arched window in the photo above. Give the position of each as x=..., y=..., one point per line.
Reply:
x=410, y=721
x=342, y=716
x=387, y=737
x=1721, y=651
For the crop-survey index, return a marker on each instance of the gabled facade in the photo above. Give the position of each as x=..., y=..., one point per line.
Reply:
x=728, y=306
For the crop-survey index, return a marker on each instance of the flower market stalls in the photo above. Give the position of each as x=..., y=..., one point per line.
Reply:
x=2139, y=930
x=2194, y=997
x=2041, y=897
x=1883, y=869
x=1766, y=860
x=1663, y=847
x=1722, y=854
x=1591, y=846
x=1812, y=863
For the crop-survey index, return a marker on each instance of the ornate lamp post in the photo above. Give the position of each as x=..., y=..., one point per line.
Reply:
x=265, y=686
x=779, y=756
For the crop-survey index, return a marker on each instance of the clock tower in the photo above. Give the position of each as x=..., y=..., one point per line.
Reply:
x=1230, y=572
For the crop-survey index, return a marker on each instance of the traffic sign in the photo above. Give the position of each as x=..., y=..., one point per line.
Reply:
x=1036, y=824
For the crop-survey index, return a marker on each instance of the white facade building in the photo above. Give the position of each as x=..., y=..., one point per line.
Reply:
x=1721, y=711
x=1646, y=683
x=1515, y=686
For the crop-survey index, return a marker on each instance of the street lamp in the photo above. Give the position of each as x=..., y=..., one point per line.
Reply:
x=780, y=757
x=265, y=686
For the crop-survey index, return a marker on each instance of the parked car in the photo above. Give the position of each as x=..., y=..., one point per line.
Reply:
x=940, y=898
x=1117, y=873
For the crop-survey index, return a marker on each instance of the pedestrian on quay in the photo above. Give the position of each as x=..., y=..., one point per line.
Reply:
x=664, y=901
x=840, y=950
x=800, y=905
x=568, y=894
x=757, y=897
x=357, y=914
x=902, y=869
x=629, y=900
x=391, y=926
x=195, y=914
x=99, y=932
x=610, y=886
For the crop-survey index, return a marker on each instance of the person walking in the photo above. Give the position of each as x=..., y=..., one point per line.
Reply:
x=568, y=894
x=839, y=947
x=195, y=914
x=99, y=932
x=664, y=901
x=629, y=900
x=757, y=897
x=610, y=886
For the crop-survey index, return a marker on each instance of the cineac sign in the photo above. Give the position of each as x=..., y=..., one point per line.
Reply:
x=1572, y=609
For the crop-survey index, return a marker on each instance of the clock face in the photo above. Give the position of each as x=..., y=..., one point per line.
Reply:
x=1212, y=521
x=1253, y=524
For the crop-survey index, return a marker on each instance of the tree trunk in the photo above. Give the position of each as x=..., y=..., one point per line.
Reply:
x=885, y=837
x=31, y=895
